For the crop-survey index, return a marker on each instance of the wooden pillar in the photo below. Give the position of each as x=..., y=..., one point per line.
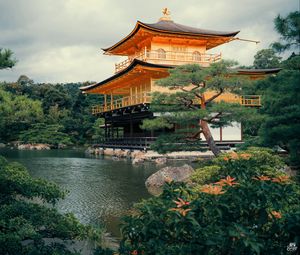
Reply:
x=221, y=134
x=242, y=128
x=105, y=131
x=130, y=98
x=112, y=129
x=111, y=101
x=131, y=126
x=136, y=94
x=105, y=102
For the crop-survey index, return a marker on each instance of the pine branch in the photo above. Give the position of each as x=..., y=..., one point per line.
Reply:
x=214, y=96
x=214, y=117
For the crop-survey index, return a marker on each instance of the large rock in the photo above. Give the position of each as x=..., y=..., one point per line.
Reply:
x=138, y=157
x=156, y=181
x=40, y=146
x=161, y=161
x=24, y=147
x=2, y=145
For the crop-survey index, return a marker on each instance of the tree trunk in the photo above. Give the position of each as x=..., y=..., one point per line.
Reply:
x=206, y=132
x=209, y=139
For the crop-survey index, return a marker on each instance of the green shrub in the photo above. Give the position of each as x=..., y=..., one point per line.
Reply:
x=25, y=221
x=246, y=205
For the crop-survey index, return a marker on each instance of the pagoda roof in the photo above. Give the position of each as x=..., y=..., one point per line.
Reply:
x=135, y=63
x=169, y=27
x=138, y=63
x=258, y=71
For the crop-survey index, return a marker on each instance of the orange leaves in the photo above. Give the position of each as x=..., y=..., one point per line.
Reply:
x=245, y=156
x=227, y=181
x=235, y=156
x=232, y=155
x=181, y=203
x=262, y=178
x=212, y=189
x=217, y=188
x=275, y=214
x=182, y=211
x=279, y=179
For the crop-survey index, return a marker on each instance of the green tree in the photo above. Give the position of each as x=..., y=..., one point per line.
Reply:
x=289, y=29
x=6, y=59
x=28, y=222
x=55, y=96
x=190, y=111
x=17, y=114
x=266, y=58
x=45, y=133
x=281, y=126
x=278, y=123
x=97, y=129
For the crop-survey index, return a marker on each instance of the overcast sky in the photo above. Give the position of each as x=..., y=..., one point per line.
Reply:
x=61, y=40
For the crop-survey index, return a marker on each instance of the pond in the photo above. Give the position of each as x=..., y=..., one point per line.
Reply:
x=101, y=190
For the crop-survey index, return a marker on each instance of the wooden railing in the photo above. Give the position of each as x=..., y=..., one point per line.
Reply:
x=170, y=57
x=145, y=97
x=140, y=98
x=126, y=142
x=250, y=100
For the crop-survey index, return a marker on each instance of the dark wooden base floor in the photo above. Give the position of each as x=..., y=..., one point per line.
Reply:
x=144, y=143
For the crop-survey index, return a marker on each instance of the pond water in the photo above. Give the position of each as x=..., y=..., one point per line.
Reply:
x=101, y=190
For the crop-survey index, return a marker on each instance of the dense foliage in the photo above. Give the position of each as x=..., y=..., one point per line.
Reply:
x=277, y=122
x=245, y=205
x=17, y=114
x=191, y=110
x=26, y=106
x=266, y=58
x=27, y=225
x=281, y=106
x=46, y=134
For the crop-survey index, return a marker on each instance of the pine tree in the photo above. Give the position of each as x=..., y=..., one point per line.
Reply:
x=189, y=110
x=6, y=60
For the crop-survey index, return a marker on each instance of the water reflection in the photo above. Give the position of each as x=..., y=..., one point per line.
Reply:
x=100, y=190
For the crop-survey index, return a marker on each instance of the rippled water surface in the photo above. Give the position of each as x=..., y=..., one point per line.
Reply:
x=100, y=190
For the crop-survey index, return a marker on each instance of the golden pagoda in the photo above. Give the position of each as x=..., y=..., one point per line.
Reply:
x=152, y=49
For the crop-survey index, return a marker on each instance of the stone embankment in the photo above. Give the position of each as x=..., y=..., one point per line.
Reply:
x=38, y=146
x=138, y=156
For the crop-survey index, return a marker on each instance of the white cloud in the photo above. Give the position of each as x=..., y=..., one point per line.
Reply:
x=60, y=41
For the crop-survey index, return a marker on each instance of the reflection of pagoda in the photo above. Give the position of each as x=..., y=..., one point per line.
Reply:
x=152, y=49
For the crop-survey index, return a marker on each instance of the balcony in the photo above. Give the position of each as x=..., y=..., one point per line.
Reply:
x=170, y=58
x=141, y=98
x=145, y=97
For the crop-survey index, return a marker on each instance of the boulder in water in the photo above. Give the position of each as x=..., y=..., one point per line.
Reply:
x=156, y=181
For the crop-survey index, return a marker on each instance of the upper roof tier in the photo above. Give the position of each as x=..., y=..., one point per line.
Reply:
x=142, y=34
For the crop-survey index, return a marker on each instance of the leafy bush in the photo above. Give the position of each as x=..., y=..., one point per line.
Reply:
x=25, y=221
x=246, y=205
